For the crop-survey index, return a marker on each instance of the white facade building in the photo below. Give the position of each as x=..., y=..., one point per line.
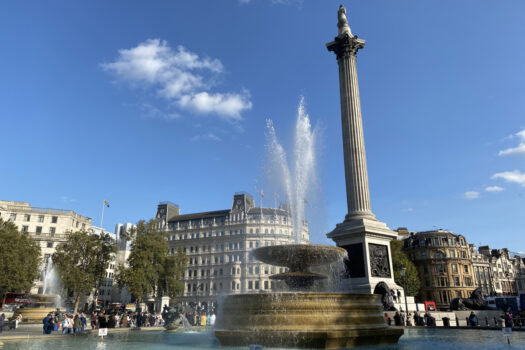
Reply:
x=218, y=245
x=49, y=227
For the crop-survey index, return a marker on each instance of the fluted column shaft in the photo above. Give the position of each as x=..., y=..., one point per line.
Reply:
x=357, y=191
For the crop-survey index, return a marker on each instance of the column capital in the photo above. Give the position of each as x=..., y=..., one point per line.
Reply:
x=345, y=45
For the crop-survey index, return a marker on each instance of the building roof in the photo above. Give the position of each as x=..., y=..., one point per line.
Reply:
x=225, y=212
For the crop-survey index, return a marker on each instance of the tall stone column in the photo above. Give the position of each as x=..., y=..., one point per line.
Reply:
x=366, y=239
x=345, y=47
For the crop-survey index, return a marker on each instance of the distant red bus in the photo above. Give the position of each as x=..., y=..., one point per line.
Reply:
x=15, y=298
x=430, y=306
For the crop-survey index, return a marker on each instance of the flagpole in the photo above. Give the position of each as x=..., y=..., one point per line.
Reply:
x=102, y=216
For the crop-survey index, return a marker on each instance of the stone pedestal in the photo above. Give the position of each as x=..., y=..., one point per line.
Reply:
x=369, y=259
x=366, y=239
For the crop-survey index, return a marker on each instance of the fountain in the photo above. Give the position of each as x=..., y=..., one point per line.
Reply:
x=301, y=318
x=48, y=301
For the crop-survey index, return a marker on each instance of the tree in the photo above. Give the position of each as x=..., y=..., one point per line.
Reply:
x=399, y=260
x=81, y=262
x=150, y=269
x=19, y=260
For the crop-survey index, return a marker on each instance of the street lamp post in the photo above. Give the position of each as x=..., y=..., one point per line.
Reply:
x=403, y=275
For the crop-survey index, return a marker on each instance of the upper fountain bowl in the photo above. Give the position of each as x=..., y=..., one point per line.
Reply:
x=298, y=257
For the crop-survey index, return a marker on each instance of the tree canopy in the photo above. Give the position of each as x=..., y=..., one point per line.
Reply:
x=81, y=262
x=150, y=269
x=19, y=259
x=400, y=259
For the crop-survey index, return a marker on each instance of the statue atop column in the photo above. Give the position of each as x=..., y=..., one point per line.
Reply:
x=342, y=22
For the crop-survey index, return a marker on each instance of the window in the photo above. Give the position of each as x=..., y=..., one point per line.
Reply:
x=443, y=282
x=458, y=293
x=456, y=281
x=27, y=217
x=250, y=285
x=452, y=253
x=427, y=282
x=12, y=217
x=468, y=281
x=423, y=255
x=465, y=268
x=439, y=268
x=265, y=284
x=50, y=244
x=40, y=218
x=436, y=241
x=425, y=268
x=39, y=229
x=256, y=284
x=25, y=228
x=54, y=219
x=454, y=268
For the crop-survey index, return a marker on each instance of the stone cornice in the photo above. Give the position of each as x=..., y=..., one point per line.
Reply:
x=345, y=45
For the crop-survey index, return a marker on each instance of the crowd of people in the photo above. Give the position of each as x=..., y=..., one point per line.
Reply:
x=66, y=323
x=411, y=320
x=200, y=318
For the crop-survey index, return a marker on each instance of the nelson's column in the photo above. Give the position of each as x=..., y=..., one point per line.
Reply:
x=366, y=239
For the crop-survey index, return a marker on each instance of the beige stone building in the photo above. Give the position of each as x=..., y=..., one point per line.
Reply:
x=49, y=227
x=218, y=245
x=444, y=265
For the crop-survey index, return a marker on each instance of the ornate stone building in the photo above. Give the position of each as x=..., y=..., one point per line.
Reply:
x=483, y=275
x=49, y=227
x=444, y=265
x=506, y=272
x=218, y=245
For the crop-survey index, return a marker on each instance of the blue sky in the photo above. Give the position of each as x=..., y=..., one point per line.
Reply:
x=138, y=102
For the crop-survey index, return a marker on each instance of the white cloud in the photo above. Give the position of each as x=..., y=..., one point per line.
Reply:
x=150, y=111
x=511, y=176
x=227, y=105
x=206, y=137
x=518, y=150
x=471, y=195
x=493, y=189
x=179, y=76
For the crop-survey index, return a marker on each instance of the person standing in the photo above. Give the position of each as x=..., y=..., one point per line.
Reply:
x=473, y=319
x=397, y=319
x=212, y=319
x=77, y=324
x=83, y=321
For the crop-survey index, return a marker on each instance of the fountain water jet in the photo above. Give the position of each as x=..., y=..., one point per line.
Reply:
x=298, y=179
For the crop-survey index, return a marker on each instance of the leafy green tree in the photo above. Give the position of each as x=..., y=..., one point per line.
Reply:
x=399, y=260
x=81, y=262
x=19, y=260
x=150, y=270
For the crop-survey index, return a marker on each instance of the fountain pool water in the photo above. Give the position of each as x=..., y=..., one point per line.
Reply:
x=414, y=339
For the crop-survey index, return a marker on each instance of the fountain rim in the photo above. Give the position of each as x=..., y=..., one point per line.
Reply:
x=293, y=249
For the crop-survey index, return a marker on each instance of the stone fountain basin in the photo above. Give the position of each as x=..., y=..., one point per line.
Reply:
x=304, y=320
x=297, y=257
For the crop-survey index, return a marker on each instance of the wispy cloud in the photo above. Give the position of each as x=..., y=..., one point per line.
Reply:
x=150, y=111
x=179, y=76
x=493, y=189
x=66, y=199
x=515, y=176
x=206, y=137
x=471, y=195
x=518, y=150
